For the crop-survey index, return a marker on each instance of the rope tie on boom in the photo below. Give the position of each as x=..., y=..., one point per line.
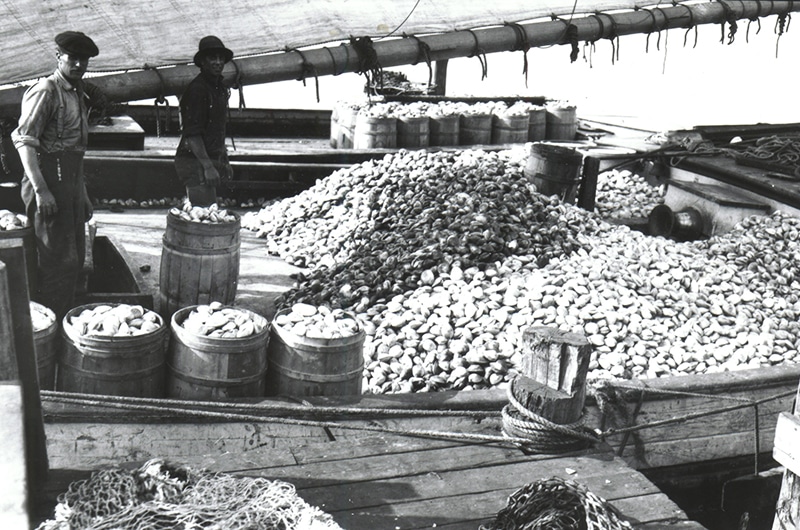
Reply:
x=730, y=18
x=368, y=63
x=480, y=54
x=755, y=18
x=782, y=25
x=238, y=85
x=161, y=100
x=691, y=25
x=570, y=37
x=306, y=69
x=653, y=27
x=522, y=45
x=424, y=52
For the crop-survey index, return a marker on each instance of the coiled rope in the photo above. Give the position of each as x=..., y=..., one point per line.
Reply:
x=543, y=435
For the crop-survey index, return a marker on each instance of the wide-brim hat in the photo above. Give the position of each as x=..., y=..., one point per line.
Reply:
x=211, y=44
x=77, y=43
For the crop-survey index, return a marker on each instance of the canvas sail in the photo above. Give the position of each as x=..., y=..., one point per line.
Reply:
x=132, y=34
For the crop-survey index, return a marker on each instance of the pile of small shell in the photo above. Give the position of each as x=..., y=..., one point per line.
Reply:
x=305, y=320
x=168, y=202
x=445, y=258
x=41, y=317
x=218, y=321
x=118, y=320
x=622, y=194
x=12, y=221
x=203, y=214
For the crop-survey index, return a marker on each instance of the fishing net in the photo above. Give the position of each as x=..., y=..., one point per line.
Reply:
x=557, y=504
x=159, y=496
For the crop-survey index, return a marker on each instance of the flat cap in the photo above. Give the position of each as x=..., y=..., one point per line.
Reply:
x=75, y=42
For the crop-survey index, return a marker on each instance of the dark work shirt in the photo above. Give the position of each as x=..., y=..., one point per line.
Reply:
x=204, y=108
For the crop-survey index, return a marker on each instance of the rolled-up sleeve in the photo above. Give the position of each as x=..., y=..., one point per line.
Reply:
x=37, y=107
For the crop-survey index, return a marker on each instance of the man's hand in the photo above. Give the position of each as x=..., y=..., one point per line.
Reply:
x=211, y=175
x=45, y=203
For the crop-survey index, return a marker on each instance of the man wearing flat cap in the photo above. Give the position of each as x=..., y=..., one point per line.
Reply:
x=201, y=160
x=51, y=140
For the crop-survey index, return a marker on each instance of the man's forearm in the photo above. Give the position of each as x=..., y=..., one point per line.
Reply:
x=198, y=149
x=30, y=163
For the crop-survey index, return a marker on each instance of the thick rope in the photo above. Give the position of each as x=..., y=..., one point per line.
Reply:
x=160, y=100
x=522, y=45
x=480, y=54
x=306, y=68
x=424, y=52
x=268, y=407
x=368, y=63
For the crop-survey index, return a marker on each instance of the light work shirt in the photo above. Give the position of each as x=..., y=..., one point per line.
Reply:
x=54, y=116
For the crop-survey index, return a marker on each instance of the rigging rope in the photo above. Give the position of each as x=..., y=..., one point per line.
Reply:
x=306, y=68
x=525, y=431
x=424, y=51
x=160, y=100
x=480, y=54
x=523, y=45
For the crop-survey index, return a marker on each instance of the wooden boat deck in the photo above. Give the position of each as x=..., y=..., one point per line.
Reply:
x=394, y=482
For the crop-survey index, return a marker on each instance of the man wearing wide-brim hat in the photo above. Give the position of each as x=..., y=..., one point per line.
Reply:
x=201, y=160
x=51, y=139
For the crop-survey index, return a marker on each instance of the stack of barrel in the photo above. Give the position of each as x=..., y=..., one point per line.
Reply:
x=418, y=125
x=199, y=345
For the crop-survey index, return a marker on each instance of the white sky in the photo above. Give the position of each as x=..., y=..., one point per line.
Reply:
x=671, y=88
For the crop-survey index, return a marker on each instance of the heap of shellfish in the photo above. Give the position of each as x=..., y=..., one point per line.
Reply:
x=445, y=258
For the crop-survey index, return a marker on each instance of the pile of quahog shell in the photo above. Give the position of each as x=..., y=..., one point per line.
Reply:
x=216, y=320
x=41, y=317
x=203, y=214
x=12, y=221
x=114, y=320
x=446, y=258
x=305, y=320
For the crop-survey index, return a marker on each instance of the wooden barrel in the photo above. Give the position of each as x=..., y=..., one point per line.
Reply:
x=45, y=344
x=116, y=366
x=475, y=129
x=375, y=132
x=200, y=367
x=199, y=263
x=346, y=122
x=537, y=124
x=413, y=132
x=554, y=170
x=305, y=366
x=444, y=129
x=510, y=128
x=31, y=254
x=561, y=123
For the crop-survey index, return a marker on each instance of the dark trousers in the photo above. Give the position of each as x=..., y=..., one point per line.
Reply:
x=60, y=238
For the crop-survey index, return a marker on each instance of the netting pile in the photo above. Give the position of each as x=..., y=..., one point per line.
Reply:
x=158, y=496
x=557, y=504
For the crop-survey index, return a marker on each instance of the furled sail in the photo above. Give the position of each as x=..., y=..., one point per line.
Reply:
x=132, y=34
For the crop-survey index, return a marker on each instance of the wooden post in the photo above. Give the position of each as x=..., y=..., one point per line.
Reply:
x=17, y=312
x=588, y=190
x=440, y=77
x=553, y=372
x=786, y=451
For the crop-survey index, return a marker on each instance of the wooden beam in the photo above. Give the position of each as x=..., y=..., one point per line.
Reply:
x=336, y=60
x=8, y=355
x=12, y=254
